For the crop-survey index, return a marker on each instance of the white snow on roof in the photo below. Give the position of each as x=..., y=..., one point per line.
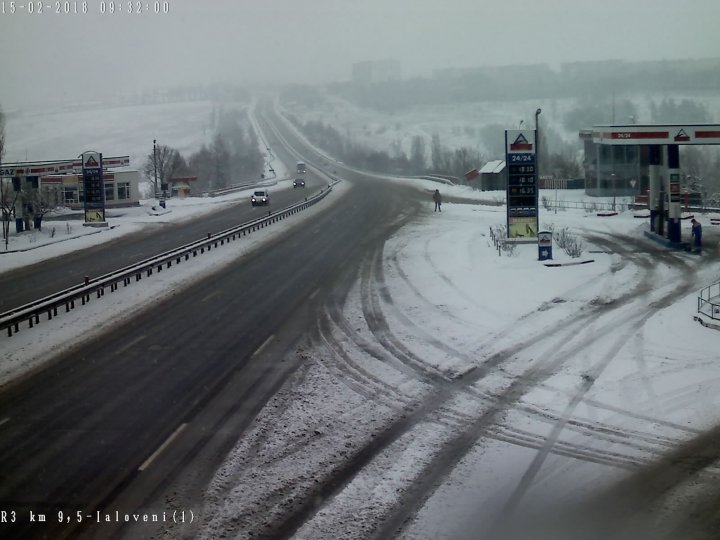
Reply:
x=494, y=166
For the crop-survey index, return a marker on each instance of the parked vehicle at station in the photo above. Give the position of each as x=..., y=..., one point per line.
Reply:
x=260, y=197
x=298, y=182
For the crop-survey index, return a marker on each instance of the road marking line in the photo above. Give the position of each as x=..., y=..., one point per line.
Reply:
x=265, y=344
x=314, y=294
x=4, y=421
x=164, y=445
x=128, y=345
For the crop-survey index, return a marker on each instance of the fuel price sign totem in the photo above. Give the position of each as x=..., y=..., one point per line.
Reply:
x=522, y=185
x=93, y=187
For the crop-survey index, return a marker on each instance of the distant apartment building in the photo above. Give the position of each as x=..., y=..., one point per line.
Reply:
x=375, y=71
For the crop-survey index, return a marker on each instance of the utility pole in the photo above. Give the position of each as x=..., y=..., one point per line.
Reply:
x=155, y=166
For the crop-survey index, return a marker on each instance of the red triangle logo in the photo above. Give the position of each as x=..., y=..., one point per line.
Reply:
x=521, y=143
x=91, y=162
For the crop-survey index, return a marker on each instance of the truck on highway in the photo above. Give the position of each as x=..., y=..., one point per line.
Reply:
x=301, y=169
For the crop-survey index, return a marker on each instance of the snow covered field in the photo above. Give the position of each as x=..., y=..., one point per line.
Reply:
x=41, y=135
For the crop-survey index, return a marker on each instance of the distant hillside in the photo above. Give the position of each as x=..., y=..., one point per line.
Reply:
x=537, y=81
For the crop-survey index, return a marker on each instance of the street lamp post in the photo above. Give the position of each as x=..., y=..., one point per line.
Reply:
x=155, y=166
x=537, y=140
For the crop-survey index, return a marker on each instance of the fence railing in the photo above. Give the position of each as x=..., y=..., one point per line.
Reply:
x=709, y=301
x=67, y=299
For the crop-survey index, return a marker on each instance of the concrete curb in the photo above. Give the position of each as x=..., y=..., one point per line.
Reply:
x=553, y=265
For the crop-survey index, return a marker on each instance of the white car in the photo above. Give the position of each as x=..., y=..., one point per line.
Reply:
x=260, y=197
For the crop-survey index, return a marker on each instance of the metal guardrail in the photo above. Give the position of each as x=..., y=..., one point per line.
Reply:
x=49, y=305
x=709, y=301
x=240, y=187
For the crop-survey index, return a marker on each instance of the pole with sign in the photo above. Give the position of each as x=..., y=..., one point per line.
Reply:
x=522, y=185
x=93, y=187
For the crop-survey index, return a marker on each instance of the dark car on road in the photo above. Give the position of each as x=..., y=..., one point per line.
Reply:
x=260, y=197
x=298, y=182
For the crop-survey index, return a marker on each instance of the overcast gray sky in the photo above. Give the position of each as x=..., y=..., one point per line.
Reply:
x=50, y=54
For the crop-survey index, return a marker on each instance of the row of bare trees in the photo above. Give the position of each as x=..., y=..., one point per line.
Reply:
x=442, y=160
x=8, y=196
x=234, y=154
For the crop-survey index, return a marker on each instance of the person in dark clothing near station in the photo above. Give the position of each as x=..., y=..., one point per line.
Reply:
x=438, y=200
x=697, y=235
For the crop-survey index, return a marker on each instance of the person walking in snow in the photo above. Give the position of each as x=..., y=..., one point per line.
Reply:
x=697, y=234
x=438, y=200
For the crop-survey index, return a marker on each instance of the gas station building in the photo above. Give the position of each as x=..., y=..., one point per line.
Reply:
x=60, y=183
x=627, y=160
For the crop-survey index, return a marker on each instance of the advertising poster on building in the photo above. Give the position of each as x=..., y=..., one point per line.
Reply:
x=522, y=184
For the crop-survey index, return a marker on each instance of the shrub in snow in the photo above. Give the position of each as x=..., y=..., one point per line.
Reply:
x=498, y=236
x=568, y=242
x=546, y=203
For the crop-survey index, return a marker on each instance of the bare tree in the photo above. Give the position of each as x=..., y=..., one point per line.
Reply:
x=41, y=204
x=8, y=198
x=8, y=195
x=440, y=156
x=417, y=155
x=221, y=161
x=160, y=166
x=201, y=165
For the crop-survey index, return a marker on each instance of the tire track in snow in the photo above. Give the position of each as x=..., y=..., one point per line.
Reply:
x=509, y=400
